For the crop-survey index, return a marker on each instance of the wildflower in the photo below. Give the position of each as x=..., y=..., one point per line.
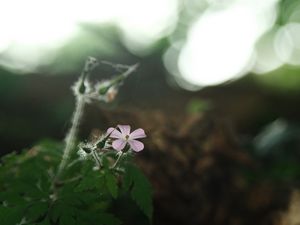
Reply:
x=124, y=136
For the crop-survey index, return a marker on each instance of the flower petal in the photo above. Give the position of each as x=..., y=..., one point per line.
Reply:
x=109, y=130
x=118, y=144
x=138, y=133
x=136, y=146
x=114, y=133
x=125, y=129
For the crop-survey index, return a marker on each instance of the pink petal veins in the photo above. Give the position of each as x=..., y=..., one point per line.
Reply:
x=138, y=133
x=118, y=144
x=136, y=146
x=125, y=129
x=114, y=133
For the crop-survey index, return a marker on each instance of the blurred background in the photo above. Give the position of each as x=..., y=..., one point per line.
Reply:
x=232, y=60
x=242, y=57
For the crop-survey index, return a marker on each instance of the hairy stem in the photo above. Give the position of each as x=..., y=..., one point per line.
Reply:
x=117, y=161
x=97, y=159
x=71, y=136
x=70, y=140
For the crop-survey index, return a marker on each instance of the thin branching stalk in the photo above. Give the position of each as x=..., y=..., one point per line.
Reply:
x=97, y=159
x=70, y=139
x=81, y=99
x=117, y=161
x=71, y=136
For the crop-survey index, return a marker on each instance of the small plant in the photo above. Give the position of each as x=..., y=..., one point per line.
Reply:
x=77, y=184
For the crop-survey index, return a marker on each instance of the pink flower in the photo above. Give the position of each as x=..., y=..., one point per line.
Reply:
x=124, y=136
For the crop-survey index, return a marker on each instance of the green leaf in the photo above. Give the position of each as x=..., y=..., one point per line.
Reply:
x=36, y=211
x=141, y=191
x=44, y=222
x=10, y=216
x=63, y=213
x=87, y=183
x=53, y=148
x=108, y=219
x=96, y=218
x=127, y=181
x=55, y=211
x=111, y=184
x=67, y=220
x=11, y=198
x=9, y=158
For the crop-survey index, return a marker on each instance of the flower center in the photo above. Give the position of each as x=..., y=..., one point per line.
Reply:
x=126, y=137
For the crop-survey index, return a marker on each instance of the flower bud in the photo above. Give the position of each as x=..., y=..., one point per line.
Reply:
x=82, y=154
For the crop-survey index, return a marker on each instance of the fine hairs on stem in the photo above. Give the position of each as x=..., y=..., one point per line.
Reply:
x=84, y=94
x=71, y=136
x=79, y=91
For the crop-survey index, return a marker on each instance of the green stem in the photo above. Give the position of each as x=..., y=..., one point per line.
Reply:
x=118, y=79
x=71, y=136
x=117, y=161
x=97, y=159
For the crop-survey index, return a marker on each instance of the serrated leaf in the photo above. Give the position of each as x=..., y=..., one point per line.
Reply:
x=141, y=191
x=61, y=211
x=36, y=193
x=111, y=184
x=87, y=183
x=36, y=211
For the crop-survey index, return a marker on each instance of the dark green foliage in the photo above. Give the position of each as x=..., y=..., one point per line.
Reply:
x=111, y=184
x=84, y=196
x=108, y=219
x=141, y=191
x=11, y=215
x=37, y=210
